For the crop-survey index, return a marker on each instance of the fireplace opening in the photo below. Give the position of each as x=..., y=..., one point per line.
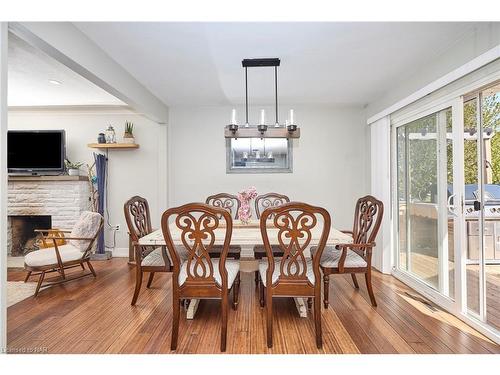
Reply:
x=24, y=239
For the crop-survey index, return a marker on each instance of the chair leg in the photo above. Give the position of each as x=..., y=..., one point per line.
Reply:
x=261, y=294
x=91, y=268
x=83, y=267
x=326, y=287
x=354, y=280
x=150, y=279
x=138, y=282
x=236, y=291
x=225, y=307
x=309, y=303
x=317, y=320
x=27, y=276
x=175, y=323
x=257, y=278
x=40, y=280
x=368, y=278
x=269, y=319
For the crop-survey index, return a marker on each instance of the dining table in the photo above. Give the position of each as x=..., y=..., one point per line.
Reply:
x=245, y=235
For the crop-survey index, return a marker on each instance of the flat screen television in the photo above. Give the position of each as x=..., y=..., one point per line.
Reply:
x=36, y=151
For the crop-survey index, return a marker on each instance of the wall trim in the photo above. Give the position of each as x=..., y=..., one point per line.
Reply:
x=474, y=64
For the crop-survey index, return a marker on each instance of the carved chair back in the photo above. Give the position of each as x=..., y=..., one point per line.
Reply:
x=367, y=219
x=294, y=222
x=199, y=225
x=138, y=218
x=229, y=202
x=269, y=200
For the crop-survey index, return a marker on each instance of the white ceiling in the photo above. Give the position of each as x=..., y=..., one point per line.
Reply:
x=28, y=78
x=321, y=63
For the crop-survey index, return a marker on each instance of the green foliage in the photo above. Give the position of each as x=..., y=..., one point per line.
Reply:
x=129, y=127
x=70, y=165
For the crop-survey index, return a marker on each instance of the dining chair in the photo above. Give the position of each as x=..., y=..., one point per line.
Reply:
x=355, y=257
x=232, y=204
x=74, y=251
x=147, y=258
x=261, y=203
x=294, y=274
x=200, y=276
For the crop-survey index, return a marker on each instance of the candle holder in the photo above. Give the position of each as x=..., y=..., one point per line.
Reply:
x=291, y=128
x=233, y=128
x=262, y=129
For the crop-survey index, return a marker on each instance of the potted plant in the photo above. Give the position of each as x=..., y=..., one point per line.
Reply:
x=128, y=137
x=73, y=169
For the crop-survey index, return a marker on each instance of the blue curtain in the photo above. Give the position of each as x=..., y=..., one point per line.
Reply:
x=100, y=166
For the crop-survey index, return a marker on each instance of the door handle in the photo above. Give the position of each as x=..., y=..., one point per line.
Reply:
x=451, y=207
x=477, y=206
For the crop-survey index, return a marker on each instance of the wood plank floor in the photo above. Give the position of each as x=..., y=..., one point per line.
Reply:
x=95, y=316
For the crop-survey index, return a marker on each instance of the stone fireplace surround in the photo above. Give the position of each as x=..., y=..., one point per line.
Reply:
x=64, y=198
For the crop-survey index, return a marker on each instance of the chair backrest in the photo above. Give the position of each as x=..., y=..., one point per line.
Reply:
x=269, y=200
x=295, y=222
x=88, y=225
x=138, y=217
x=367, y=219
x=229, y=202
x=197, y=226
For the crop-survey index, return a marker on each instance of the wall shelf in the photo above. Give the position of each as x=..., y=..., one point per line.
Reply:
x=253, y=132
x=114, y=146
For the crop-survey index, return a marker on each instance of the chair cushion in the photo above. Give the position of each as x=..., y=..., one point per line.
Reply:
x=232, y=267
x=276, y=273
x=46, y=257
x=331, y=256
x=155, y=259
x=87, y=226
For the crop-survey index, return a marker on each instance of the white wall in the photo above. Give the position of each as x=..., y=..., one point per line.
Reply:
x=130, y=172
x=467, y=47
x=330, y=160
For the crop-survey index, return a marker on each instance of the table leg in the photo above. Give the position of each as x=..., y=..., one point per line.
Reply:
x=191, y=311
x=301, y=304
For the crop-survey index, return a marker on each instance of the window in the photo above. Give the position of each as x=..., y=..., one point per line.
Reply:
x=256, y=155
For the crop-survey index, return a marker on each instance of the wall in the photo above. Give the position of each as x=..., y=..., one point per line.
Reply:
x=130, y=172
x=468, y=46
x=330, y=160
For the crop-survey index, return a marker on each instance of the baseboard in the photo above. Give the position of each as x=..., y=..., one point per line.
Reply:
x=120, y=252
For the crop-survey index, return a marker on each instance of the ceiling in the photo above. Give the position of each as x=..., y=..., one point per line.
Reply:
x=321, y=63
x=28, y=78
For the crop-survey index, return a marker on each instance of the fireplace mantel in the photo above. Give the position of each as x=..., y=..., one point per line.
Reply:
x=48, y=178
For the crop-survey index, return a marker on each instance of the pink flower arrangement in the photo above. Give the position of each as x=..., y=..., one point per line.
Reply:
x=245, y=196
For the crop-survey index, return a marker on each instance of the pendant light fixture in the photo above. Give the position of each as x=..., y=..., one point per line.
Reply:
x=287, y=130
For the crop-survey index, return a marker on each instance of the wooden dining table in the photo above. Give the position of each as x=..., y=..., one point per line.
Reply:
x=246, y=236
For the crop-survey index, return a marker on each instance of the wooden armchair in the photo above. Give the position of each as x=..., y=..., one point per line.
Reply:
x=59, y=258
x=231, y=204
x=200, y=276
x=261, y=203
x=148, y=259
x=356, y=257
x=294, y=274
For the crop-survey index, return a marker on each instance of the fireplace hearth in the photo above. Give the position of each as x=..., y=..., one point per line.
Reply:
x=23, y=236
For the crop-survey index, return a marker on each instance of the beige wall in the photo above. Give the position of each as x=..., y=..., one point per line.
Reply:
x=130, y=172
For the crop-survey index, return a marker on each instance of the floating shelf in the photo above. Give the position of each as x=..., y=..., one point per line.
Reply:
x=253, y=132
x=114, y=146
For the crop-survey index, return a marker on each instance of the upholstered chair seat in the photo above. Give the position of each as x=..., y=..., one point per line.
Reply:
x=331, y=257
x=155, y=257
x=232, y=268
x=277, y=272
x=47, y=257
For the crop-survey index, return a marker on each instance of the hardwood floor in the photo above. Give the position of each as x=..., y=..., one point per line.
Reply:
x=95, y=316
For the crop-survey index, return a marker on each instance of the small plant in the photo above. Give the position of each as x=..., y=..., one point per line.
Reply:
x=129, y=130
x=70, y=165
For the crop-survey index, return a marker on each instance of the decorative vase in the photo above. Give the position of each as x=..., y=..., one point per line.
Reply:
x=245, y=212
x=101, y=138
x=73, y=172
x=128, y=138
x=110, y=135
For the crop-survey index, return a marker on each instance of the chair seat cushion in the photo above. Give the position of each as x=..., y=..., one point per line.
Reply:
x=155, y=258
x=232, y=267
x=331, y=256
x=47, y=257
x=276, y=273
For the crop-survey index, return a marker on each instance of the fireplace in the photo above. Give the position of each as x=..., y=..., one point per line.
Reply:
x=23, y=237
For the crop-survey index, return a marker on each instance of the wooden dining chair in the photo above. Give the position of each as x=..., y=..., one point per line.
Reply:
x=356, y=257
x=294, y=274
x=231, y=204
x=261, y=203
x=147, y=258
x=200, y=276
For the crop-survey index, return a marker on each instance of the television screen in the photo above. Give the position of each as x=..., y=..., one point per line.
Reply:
x=32, y=151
